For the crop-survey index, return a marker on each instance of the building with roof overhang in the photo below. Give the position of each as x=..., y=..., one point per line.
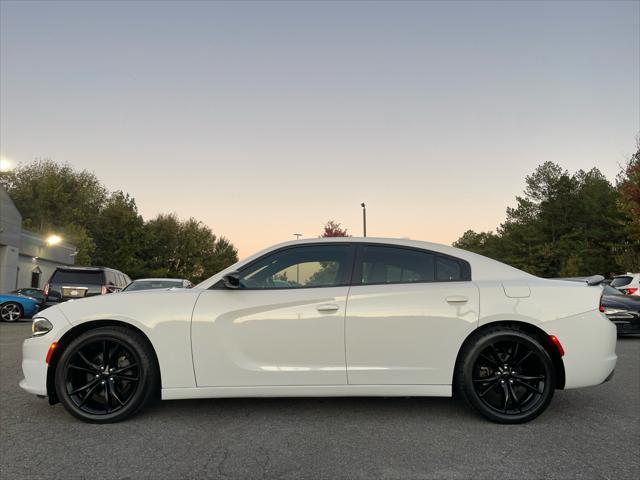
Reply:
x=26, y=259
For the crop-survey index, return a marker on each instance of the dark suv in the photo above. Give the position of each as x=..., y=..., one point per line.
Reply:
x=68, y=283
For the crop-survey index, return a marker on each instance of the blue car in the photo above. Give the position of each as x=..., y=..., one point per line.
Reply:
x=15, y=307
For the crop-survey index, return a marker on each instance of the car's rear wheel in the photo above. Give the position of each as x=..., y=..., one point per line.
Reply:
x=10, y=312
x=506, y=375
x=106, y=375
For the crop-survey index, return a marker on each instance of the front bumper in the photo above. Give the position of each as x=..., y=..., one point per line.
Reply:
x=34, y=353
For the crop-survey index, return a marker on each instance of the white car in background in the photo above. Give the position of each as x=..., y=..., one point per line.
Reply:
x=329, y=317
x=157, y=284
x=628, y=284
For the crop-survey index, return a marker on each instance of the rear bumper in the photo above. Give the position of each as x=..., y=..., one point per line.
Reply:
x=626, y=323
x=589, y=341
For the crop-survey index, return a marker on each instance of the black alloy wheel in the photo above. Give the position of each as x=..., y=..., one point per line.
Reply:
x=106, y=374
x=507, y=375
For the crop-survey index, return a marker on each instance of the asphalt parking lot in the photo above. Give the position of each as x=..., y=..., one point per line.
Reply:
x=587, y=433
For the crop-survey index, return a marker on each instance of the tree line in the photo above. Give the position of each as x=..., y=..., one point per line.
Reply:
x=107, y=228
x=569, y=224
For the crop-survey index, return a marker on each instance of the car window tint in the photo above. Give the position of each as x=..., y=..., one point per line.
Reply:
x=621, y=281
x=299, y=267
x=448, y=270
x=74, y=277
x=396, y=265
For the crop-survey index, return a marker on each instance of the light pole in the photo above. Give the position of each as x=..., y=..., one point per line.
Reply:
x=297, y=235
x=364, y=219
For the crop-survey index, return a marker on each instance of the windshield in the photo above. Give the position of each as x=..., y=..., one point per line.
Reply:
x=152, y=284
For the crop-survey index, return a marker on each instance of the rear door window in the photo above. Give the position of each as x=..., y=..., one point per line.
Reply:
x=76, y=277
x=395, y=265
x=448, y=270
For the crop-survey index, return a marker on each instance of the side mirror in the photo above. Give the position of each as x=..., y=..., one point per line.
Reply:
x=231, y=280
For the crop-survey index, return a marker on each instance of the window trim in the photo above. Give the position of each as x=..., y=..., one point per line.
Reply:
x=465, y=267
x=345, y=281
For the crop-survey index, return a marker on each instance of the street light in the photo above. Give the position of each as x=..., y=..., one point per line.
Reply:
x=53, y=240
x=364, y=219
x=6, y=165
x=297, y=235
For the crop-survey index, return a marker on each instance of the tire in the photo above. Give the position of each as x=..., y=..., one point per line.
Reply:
x=99, y=391
x=506, y=375
x=11, y=312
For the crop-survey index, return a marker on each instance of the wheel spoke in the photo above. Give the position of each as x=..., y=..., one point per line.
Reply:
x=495, y=355
x=88, y=385
x=106, y=397
x=530, y=387
x=524, y=357
x=124, y=377
x=82, y=369
x=514, y=396
x=514, y=354
x=488, y=389
x=489, y=359
x=91, y=364
x=505, y=390
x=486, y=380
x=115, y=395
x=529, y=378
x=123, y=369
x=89, y=394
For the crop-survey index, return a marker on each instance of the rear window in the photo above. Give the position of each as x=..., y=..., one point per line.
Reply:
x=621, y=281
x=153, y=285
x=77, y=277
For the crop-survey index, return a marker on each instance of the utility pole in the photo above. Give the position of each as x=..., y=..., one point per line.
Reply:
x=297, y=235
x=364, y=219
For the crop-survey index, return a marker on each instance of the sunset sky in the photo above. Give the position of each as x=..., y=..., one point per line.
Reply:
x=268, y=119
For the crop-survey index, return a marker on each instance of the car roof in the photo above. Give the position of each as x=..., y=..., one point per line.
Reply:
x=483, y=268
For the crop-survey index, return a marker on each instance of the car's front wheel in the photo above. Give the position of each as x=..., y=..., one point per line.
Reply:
x=106, y=374
x=506, y=375
x=10, y=312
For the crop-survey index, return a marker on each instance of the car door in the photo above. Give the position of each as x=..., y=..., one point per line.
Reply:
x=408, y=312
x=284, y=325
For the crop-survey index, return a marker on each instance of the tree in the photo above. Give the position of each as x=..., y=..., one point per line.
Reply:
x=564, y=225
x=51, y=195
x=118, y=235
x=186, y=249
x=107, y=228
x=332, y=229
x=628, y=183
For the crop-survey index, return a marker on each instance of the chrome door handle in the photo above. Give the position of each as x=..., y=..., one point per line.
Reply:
x=457, y=299
x=327, y=307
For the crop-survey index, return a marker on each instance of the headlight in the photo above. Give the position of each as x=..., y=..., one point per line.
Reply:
x=40, y=326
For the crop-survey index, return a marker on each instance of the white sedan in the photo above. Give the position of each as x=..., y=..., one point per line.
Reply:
x=329, y=317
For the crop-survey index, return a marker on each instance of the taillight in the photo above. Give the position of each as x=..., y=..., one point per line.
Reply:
x=103, y=290
x=46, y=289
x=630, y=291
